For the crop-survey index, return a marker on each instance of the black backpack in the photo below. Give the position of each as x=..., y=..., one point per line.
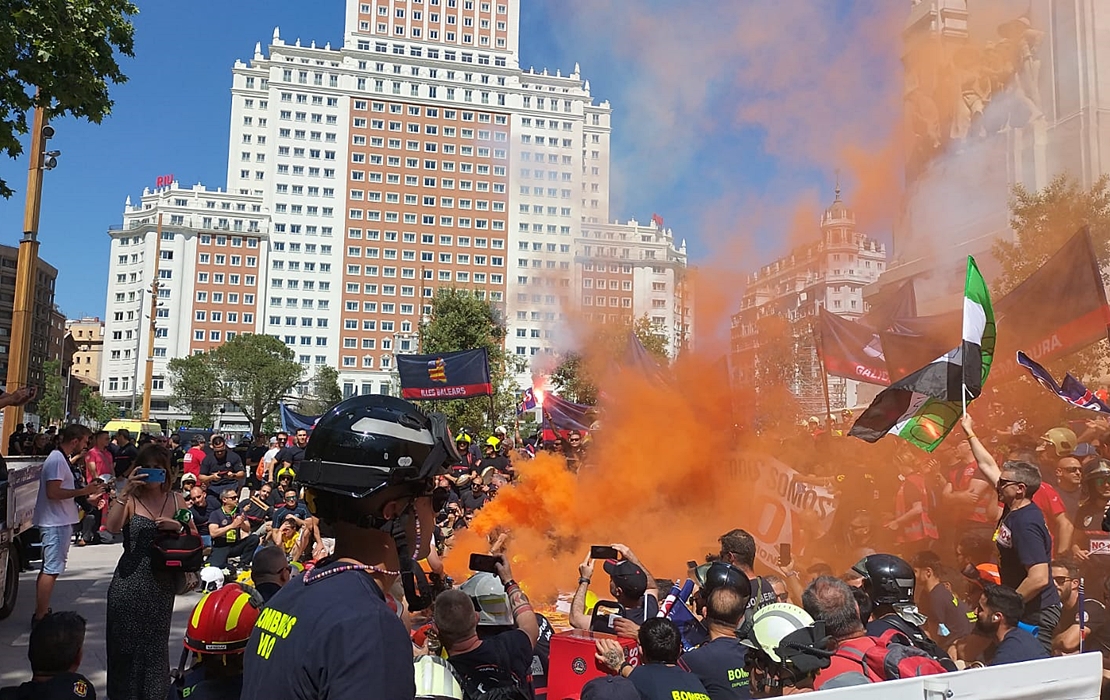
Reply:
x=920, y=640
x=504, y=685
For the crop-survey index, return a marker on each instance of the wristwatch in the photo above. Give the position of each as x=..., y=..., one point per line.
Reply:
x=583, y=579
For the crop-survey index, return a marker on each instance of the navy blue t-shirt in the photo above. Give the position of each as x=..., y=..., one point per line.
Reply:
x=333, y=638
x=1017, y=646
x=719, y=665
x=661, y=682
x=486, y=666
x=230, y=464
x=1023, y=541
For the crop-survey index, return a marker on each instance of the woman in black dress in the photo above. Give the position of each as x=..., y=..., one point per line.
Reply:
x=140, y=599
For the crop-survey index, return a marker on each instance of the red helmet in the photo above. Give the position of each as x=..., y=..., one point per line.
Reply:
x=222, y=621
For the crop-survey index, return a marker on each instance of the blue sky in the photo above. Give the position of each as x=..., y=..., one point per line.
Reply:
x=685, y=144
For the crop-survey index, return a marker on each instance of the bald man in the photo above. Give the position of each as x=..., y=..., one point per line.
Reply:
x=1069, y=478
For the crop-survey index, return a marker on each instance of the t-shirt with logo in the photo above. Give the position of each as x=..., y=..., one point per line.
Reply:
x=229, y=463
x=1094, y=618
x=541, y=654
x=1089, y=536
x=61, y=512
x=763, y=593
x=221, y=518
x=305, y=646
x=193, y=459
x=946, y=608
x=1023, y=541
x=63, y=686
x=292, y=454
x=662, y=682
x=500, y=659
x=719, y=665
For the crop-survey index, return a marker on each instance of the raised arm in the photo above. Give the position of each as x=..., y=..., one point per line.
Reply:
x=983, y=458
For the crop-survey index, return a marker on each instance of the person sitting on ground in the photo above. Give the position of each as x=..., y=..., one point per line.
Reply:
x=217, y=635
x=257, y=509
x=658, y=677
x=270, y=571
x=503, y=660
x=630, y=584
x=999, y=610
x=289, y=537
x=290, y=505
x=230, y=532
x=55, y=652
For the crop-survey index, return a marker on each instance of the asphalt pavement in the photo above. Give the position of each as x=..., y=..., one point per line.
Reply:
x=83, y=588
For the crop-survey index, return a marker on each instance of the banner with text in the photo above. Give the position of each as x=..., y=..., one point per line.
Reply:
x=783, y=506
x=449, y=375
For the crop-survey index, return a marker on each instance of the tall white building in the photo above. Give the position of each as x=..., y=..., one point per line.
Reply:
x=417, y=155
x=424, y=156
x=629, y=271
x=209, y=263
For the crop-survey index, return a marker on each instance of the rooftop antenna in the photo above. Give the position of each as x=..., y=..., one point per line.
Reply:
x=837, y=184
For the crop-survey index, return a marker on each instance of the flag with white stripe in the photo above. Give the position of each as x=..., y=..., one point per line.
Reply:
x=923, y=407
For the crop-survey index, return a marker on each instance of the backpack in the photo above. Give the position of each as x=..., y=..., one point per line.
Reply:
x=506, y=688
x=921, y=641
x=891, y=658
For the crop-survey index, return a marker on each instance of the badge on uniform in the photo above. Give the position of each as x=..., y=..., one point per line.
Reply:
x=81, y=689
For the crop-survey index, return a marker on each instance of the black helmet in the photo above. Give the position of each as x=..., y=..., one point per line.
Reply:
x=372, y=441
x=888, y=579
x=720, y=573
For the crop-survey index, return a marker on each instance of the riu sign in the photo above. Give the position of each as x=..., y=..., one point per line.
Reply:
x=164, y=180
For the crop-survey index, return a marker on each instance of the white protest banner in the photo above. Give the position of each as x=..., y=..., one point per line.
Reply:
x=783, y=502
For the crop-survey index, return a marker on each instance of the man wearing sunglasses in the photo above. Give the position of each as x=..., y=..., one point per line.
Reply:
x=1065, y=638
x=1022, y=537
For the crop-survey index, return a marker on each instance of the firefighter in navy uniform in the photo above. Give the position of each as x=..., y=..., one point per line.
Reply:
x=335, y=632
x=890, y=582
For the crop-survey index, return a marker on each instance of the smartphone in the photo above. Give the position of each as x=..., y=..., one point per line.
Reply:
x=153, y=476
x=784, y=552
x=600, y=551
x=691, y=564
x=484, y=562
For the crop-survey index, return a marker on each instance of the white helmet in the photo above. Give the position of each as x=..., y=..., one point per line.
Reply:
x=488, y=591
x=771, y=623
x=211, y=579
x=435, y=679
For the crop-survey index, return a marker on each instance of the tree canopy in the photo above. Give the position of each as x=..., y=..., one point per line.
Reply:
x=60, y=54
x=94, y=408
x=52, y=402
x=252, y=372
x=323, y=392
x=461, y=321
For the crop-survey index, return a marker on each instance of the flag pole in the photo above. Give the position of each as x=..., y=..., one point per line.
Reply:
x=963, y=321
x=824, y=376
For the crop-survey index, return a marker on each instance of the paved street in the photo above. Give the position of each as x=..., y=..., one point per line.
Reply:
x=84, y=588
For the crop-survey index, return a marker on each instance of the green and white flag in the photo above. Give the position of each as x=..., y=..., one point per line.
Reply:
x=923, y=407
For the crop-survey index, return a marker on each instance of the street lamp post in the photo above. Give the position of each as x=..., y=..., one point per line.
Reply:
x=19, y=349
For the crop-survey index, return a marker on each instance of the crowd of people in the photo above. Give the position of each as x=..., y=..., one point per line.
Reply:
x=972, y=556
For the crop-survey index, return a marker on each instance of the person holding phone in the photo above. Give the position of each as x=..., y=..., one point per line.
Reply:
x=221, y=470
x=140, y=598
x=56, y=513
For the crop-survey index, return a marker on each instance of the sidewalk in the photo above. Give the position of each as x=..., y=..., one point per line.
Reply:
x=83, y=588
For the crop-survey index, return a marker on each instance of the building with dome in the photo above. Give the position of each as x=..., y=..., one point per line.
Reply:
x=828, y=273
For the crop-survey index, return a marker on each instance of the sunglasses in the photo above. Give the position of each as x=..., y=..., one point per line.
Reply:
x=1072, y=470
x=230, y=498
x=1003, y=483
x=1061, y=580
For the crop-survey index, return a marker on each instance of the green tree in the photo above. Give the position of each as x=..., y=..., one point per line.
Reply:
x=575, y=376
x=52, y=402
x=61, y=55
x=94, y=408
x=323, y=392
x=255, y=373
x=196, y=387
x=1042, y=222
x=461, y=321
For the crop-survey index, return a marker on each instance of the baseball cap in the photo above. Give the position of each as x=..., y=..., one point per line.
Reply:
x=187, y=476
x=626, y=575
x=610, y=688
x=1084, y=449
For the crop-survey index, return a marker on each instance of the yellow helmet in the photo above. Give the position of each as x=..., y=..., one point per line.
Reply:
x=493, y=442
x=463, y=437
x=1062, y=440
